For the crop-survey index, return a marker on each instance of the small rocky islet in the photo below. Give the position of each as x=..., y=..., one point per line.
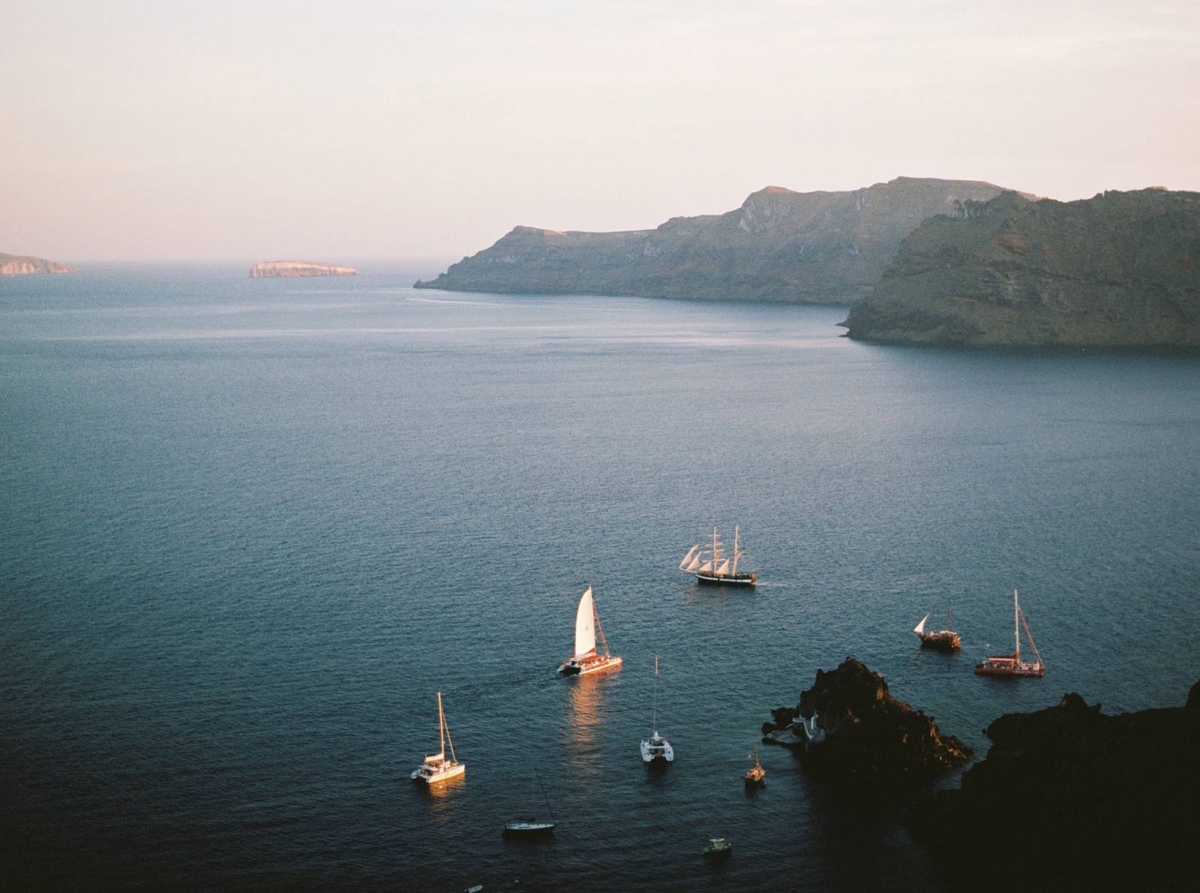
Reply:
x=295, y=269
x=1067, y=795
x=24, y=265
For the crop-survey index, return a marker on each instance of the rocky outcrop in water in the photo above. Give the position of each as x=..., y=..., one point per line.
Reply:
x=856, y=727
x=1118, y=270
x=812, y=247
x=15, y=265
x=288, y=269
x=1070, y=798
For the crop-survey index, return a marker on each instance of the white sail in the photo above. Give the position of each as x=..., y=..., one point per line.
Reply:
x=696, y=562
x=724, y=568
x=705, y=568
x=687, y=559
x=920, y=630
x=585, y=626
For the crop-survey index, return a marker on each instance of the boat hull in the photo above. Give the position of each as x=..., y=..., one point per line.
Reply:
x=573, y=667
x=989, y=668
x=437, y=776
x=727, y=579
x=527, y=829
x=941, y=641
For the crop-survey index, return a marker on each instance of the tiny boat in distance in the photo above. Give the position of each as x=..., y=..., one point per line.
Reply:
x=1011, y=664
x=756, y=773
x=437, y=768
x=656, y=748
x=718, y=848
x=708, y=565
x=586, y=659
x=939, y=640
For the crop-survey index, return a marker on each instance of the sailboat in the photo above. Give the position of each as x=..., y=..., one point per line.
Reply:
x=1011, y=664
x=531, y=827
x=656, y=748
x=756, y=773
x=707, y=563
x=939, y=640
x=437, y=768
x=586, y=659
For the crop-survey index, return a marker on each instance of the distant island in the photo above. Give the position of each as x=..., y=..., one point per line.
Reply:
x=1120, y=270
x=288, y=269
x=780, y=245
x=18, y=265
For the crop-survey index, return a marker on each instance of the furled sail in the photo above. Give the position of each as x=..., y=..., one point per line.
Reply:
x=585, y=626
x=920, y=630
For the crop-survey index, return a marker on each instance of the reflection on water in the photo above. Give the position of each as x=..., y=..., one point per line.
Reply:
x=442, y=798
x=587, y=712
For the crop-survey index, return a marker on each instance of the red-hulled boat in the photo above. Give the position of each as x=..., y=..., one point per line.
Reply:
x=1011, y=664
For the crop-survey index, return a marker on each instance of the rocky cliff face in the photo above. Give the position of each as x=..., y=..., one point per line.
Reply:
x=815, y=247
x=13, y=265
x=864, y=731
x=287, y=269
x=1118, y=270
x=1073, y=799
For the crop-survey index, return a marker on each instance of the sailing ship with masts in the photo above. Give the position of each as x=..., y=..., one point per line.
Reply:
x=586, y=658
x=656, y=748
x=709, y=564
x=531, y=827
x=1011, y=664
x=939, y=640
x=437, y=768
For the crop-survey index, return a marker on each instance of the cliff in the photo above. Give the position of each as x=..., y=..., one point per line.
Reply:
x=813, y=247
x=1073, y=799
x=1118, y=270
x=857, y=728
x=13, y=265
x=287, y=269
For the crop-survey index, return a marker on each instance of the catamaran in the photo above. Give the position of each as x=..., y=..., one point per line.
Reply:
x=586, y=659
x=939, y=640
x=656, y=748
x=706, y=562
x=1011, y=664
x=437, y=768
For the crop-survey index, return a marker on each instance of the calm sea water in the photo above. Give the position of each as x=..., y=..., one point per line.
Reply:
x=249, y=529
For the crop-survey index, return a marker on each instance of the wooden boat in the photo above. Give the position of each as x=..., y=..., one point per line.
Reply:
x=531, y=827
x=708, y=564
x=656, y=748
x=938, y=640
x=1011, y=664
x=756, y=773
x=718, y=848
x=586, y=659
x=436, y=768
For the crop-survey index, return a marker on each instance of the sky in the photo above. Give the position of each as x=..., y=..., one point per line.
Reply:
x=329, y=131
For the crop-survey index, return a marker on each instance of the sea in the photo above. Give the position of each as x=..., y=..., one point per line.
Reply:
x=249, y=530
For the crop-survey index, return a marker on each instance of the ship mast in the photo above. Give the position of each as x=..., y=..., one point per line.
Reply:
x=444, y=732
x=716, y=552
x=655, y=722
x=1016, y=627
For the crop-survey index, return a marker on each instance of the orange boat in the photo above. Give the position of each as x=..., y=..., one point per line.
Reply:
x=1011, y=664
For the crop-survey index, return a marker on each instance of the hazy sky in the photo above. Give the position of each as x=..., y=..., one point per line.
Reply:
x=325, y=131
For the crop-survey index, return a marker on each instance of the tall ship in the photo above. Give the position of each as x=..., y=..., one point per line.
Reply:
x=586, y=658
x=437, y=768
x=656, y=748
x=940, y=639
x=1011, y=664
x=709, y=564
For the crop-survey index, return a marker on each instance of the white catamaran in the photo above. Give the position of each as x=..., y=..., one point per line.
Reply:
x=708, y=564
x=437, y=768
x=656, y=748
x=586, y=659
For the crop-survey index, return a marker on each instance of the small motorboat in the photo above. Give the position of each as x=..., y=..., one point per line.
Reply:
x=718, y=848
